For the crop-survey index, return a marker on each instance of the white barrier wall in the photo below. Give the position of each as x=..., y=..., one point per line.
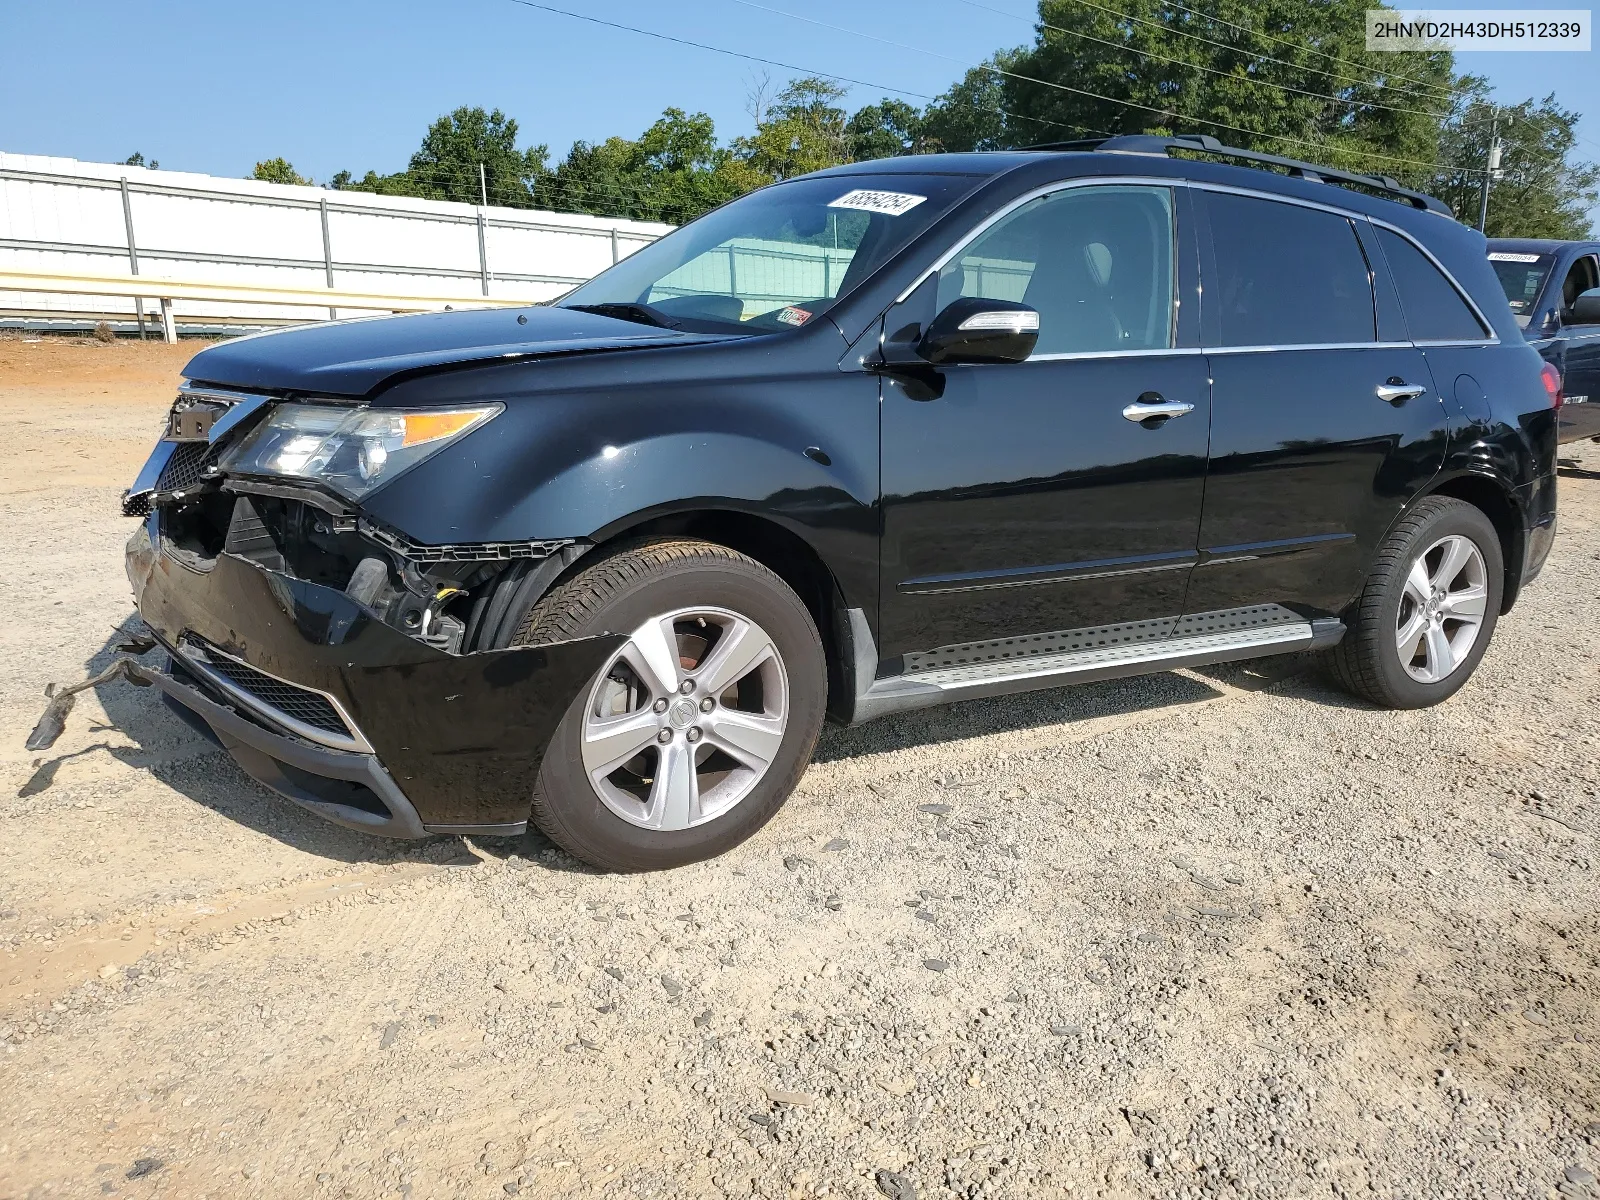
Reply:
x=59, y=214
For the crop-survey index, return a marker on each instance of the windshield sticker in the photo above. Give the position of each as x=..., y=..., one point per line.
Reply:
x=890, y=203
x=1503, y=256
x=793, y=315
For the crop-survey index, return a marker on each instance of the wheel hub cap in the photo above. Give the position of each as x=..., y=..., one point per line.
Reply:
x=1442, y=608
x=685, y=719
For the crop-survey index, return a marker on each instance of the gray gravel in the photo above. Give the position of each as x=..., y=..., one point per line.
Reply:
x=1222, y=933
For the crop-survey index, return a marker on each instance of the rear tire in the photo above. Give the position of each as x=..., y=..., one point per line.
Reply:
x=692, y=736
x=1428, y=609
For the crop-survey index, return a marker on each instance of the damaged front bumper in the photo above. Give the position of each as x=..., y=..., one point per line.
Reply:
x=319, y=700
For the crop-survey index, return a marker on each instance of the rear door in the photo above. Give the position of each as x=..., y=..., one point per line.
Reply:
x=1320, y=432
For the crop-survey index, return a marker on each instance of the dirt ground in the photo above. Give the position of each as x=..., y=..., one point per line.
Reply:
x=1209, y=933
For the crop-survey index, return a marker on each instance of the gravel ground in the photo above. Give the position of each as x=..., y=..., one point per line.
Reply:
x=1210, y=933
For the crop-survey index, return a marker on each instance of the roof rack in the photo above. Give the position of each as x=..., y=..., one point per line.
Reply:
x=1149, y=143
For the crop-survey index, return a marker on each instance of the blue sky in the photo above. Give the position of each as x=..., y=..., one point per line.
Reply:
x=353, y=83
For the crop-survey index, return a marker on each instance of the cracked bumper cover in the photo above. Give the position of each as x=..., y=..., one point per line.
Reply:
x=456, y=739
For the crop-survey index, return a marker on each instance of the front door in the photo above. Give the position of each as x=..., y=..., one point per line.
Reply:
x=1019, y=499
x=1320, y=430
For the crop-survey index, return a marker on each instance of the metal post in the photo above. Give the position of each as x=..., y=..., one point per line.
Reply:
x=733, y=274
x=133, y=253
x=327, y=255
x=483, y=187
x=1491, y=166
x=483, y=251
x=169, y=331
x=616, y=253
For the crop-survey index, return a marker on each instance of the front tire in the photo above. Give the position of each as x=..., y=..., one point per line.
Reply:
x=1428, y=610
x=694, y=733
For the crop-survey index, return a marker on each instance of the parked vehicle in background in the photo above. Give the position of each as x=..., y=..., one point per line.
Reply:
x=1554, y=292
x=886, y=436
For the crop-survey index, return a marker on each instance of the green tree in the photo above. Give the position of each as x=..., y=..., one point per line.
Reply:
x=1307, y=89
x=674, y=171
x=1542, y=193
x=884, y=130
x=803, y=130
x=971, y=114
x=279, y=170
x=137, y=160
x=446, y=166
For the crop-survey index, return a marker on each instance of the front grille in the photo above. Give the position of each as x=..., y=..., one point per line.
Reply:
x=186, y=466
x=277, y=696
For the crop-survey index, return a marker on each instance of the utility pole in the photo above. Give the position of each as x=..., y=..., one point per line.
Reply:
x=483, y=186
x=1493, y=170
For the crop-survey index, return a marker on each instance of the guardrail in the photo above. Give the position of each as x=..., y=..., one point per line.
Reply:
x=168, y=290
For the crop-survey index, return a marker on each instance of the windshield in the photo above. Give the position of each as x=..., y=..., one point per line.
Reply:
x=1521, y=277
x=776, y=259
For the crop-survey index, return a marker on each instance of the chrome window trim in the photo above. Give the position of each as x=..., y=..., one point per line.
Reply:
x=1310, y=346
x=1060, y=185
x=193, y=660
x=1070, y=355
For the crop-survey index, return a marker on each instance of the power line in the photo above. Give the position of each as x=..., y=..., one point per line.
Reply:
x=1281, y=87
x=1162, y=112
x=1302, y=46
x=1122, y=16
x=770, y=62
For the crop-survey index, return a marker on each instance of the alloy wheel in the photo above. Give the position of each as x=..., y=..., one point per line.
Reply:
x=685, y=719
x=1442, y=608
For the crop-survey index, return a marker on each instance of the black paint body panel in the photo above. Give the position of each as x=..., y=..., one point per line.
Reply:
x=462, y=736
x=945, y=504
x=1308, y=471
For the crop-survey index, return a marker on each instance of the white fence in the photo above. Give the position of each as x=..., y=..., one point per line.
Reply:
x=62, y=217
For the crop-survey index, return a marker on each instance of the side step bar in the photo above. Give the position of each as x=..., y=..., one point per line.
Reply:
x=1030, y=663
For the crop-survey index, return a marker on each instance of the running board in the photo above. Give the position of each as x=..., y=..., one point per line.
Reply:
x=1025, y=664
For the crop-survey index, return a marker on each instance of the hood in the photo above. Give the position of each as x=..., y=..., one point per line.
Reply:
x=353, y=358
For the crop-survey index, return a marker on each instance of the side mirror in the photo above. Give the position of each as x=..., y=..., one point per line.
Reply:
x=1586, y=308
x=974, y=330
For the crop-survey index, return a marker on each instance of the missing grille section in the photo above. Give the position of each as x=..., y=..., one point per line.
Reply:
x=301, y=706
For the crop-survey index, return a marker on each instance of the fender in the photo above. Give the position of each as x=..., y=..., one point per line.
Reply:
x=585, y=453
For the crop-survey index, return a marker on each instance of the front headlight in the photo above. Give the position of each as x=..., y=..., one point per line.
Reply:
x=351, y=450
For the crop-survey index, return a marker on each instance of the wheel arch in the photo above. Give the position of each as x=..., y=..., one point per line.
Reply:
x=1497, y=500
x=776, y=546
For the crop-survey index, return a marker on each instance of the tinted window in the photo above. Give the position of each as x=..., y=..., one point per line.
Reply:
x=1095, y=261
x=774, y=259
x=1287, y=276
x=1581, y=278
x=1521, y=276
x=1435, y=311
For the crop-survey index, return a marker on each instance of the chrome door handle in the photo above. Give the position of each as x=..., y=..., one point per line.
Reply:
x=1142, y=410
x=1395, y=390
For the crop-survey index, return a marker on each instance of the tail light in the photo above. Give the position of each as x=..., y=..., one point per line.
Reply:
x=1552, y=384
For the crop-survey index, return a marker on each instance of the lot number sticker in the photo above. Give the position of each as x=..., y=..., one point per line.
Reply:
x=889, y=203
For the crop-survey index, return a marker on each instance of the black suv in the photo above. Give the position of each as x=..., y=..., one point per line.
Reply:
x=1554, y=292
x=881, y=437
